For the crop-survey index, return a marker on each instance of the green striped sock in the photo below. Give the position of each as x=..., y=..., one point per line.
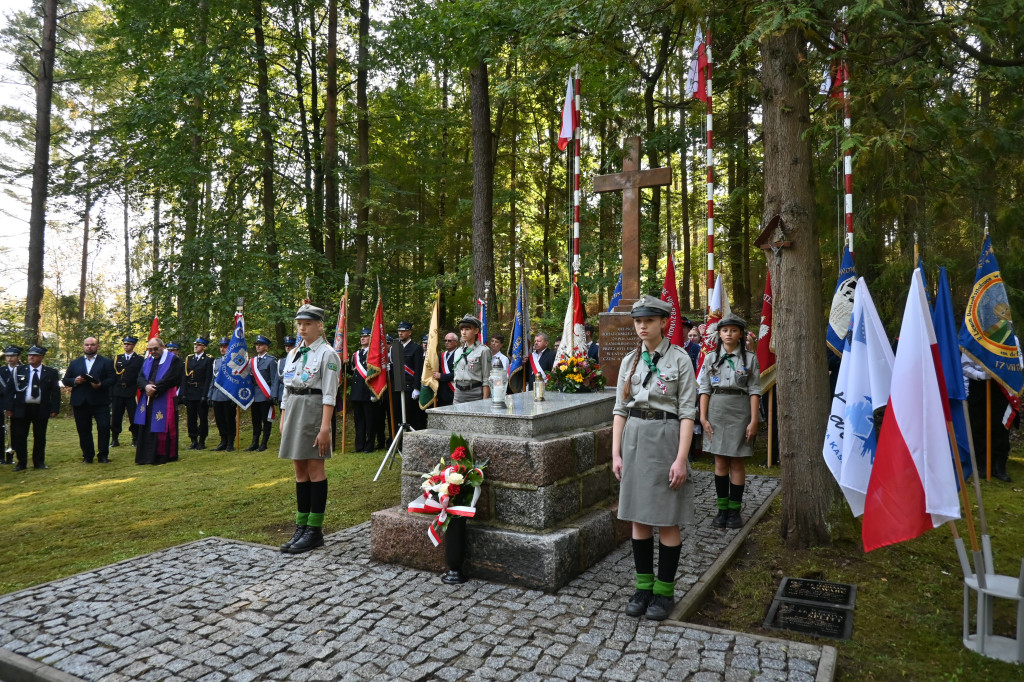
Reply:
x=644, y=581
x=301, y=518
x=664, y=589
x=315, y=520
x=723, y=502
x=733, y=504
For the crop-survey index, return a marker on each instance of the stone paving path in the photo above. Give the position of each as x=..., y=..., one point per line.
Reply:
x=226, y=610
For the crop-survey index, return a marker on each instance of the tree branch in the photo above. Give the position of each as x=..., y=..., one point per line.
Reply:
x=983, y=59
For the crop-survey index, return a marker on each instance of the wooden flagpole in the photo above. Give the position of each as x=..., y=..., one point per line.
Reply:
x=963, y=486
x=344, y=375
x=238, y=409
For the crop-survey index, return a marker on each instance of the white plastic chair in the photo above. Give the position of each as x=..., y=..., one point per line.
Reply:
x=988, y=587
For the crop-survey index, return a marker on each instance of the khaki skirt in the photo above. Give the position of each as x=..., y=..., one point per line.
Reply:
x=301, y=426
x=649, y=447
x=729, y=415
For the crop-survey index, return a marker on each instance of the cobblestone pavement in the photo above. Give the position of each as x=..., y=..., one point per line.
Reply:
x=226, y=610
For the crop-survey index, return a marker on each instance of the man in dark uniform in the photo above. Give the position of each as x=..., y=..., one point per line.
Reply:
x=289, y=346
x=223, y=406
x=13, y=356
x=592, y=348
x=264, y=365
x=126, y=373
x=412, y=358
x=360, y=396
x=174, y=348
x=195, y=389
x=90, y=378
x=541, y=360
x=36, y=398
x=446, y=371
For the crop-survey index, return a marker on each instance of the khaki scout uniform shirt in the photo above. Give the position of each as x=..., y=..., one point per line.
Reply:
x=675, y=391
x=316, y=369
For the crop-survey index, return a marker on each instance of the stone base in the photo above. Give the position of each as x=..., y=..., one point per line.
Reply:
x=542, y=560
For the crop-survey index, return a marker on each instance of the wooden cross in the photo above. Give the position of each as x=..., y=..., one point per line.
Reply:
x=629, y=182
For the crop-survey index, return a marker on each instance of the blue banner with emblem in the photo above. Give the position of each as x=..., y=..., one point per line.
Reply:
x=234, y=377
x=517, y=349
x=949, y=355
x=842, y=305
x=987, y=333
x=616, y=295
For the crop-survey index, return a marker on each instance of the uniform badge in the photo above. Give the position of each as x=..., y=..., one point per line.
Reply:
x=333, y=366
x=716, y=380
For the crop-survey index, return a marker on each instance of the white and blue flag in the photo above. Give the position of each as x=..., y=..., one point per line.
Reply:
x=234, y=377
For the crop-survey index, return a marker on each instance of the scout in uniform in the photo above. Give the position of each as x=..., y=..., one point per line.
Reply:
x=196, y=389
x=730, y=394
x=472, y=364
x=126, y=373
x=655, y=405
x=265, y=365
x=310, y=389
x=223, y=406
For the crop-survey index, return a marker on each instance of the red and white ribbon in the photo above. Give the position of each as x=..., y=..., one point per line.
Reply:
x=260, y=381
x=428, y=505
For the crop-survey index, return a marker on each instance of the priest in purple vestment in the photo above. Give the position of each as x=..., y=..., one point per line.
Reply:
x=157, y=414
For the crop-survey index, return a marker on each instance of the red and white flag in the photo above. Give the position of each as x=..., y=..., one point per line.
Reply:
x=570, y=117
x=765, y=342
x=574, y=338
x=913, y=485
x=697, y=77
x=377, y=354
x=718, y=309
x=670, y=294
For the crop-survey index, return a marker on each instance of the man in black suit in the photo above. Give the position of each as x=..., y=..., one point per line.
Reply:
x=13, y=357
x=90, y=378
x=446, y=371
x=36, y=398
x=541, y=360
x=195, y=387
x=361, y=397
x=412, y=357
x=126, y=373
x=592, y=348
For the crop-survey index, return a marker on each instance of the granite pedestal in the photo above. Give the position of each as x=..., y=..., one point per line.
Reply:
x=547, y=509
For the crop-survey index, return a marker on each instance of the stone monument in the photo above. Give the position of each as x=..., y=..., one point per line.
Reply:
x=547, y=509
x=616, y=327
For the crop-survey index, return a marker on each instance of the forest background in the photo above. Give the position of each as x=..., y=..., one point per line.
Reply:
x=254, y=143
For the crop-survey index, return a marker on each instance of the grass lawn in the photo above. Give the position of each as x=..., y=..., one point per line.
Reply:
x=75, y=517
x=907, y=623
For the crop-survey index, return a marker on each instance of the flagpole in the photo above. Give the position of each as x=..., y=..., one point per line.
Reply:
x=576, y=176
x=344, y=374
x=848, y=152
x=710, y=158
x=974, y=468
x=239, y=307
x=963, y=484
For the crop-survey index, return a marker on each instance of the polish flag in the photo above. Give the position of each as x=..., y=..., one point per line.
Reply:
x=574, y=338
x=913, y=485
x=696, y=77
x=718, y=308
x=570, y=117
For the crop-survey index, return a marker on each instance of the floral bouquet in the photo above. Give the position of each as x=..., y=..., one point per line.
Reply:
x=450, y=490
x=576, y=374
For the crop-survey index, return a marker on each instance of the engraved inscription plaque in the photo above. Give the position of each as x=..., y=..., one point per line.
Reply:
x=617, y=338
x=817, y=621
x=817, y=591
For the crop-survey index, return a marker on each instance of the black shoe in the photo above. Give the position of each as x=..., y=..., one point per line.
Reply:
x=115, y=443
x=734, y=520
x=254, y=447
x=453, y=577
x=312, y=537
x=202, y=444
x=660, y=608
x=299, y=531
x=1002, y=476
x=193, y=446
x=86, y=460
x=229, y=448
x=104, y=460
x=220, y=446
x=720, y=518
x=135, y=443
x=263, y=444
x=43, y=466
x=638, y=603
x=19, y=467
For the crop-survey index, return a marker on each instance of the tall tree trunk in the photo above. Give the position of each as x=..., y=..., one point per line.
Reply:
x=734, y=246
x=316, y=237
x=83, y=281
x=363, y=143
x=483, y=177
x=157, y=281
x=127, y=265
x=331, y=210
x=40, y=172
x=267, y=171
x=684, y=197
x=802, y=383
x=314, y=116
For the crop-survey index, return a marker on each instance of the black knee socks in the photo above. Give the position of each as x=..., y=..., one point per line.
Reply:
x=735, y=496
x=317, y=502
x=302, y=502
x=643, y=559
x=722, y=491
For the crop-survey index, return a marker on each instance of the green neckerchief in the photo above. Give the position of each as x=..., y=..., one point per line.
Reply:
x=465, y=354
x=652, y=365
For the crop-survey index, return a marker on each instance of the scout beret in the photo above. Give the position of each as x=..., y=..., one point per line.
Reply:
x=733, y=320
x=262, y=339
x=648, y=306
x=129, y=339
x=308, y=311
x=36, y=350
x=289, y=340
x=469, y=321
x=201, y=341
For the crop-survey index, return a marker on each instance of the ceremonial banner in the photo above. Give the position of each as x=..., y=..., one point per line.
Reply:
x=574, y=338
x=341, y=331
x=696, y=77
x=234, y=379
x=719, y=308
x=913, y=484
x=949, y=354
x=570, y=117
x=670, y=294
x=377, y=354
x=987, y=335
x=616, y=295
x=842, y=304
x=862, y=389
x=765, y=341
x=484, y=338
x=517, y=349
x=428, y=384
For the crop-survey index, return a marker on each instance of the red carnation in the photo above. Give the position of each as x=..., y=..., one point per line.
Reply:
x=434, y=480
x=459, y=453
x=454, y=490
